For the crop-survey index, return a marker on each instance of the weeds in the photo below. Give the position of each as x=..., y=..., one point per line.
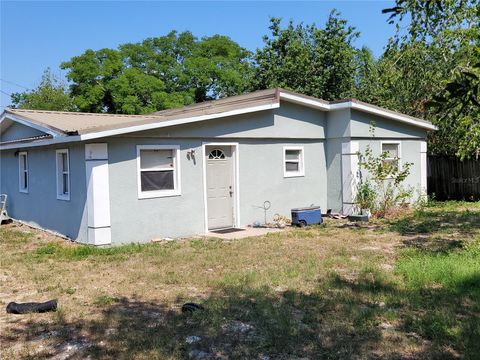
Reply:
x=409, y=288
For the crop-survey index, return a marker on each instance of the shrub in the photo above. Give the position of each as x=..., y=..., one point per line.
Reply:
x=383, y=188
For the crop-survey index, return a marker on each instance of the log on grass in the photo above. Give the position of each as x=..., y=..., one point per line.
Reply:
x=31, y=307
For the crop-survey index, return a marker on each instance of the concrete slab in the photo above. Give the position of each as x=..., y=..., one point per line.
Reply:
x=247, y=232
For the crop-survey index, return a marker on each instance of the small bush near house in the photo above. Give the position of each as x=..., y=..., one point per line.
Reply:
x=383, y=188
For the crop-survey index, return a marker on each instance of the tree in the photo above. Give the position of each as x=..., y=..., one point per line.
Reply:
x=50, y=94
x=314, y=61
x=460, y=105
x=409, y=75
x=449, y=30
x=367, y=77
x=158, y=73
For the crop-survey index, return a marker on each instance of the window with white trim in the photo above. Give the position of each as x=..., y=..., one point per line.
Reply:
x=63, y=174
x=293, y=161
x=393, y=153
x=23, y=172
x=158, y=170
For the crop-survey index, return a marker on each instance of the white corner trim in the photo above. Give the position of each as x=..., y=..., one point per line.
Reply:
x=304, y=101
x=98, y=194
x=99, y=236
x=301, y=169
x=236, y=186
x=350, y=172
x=19, y=119
x=177, y=179
x=350, y=148
x=423, y=168
x=423, y=146
x=65, y=197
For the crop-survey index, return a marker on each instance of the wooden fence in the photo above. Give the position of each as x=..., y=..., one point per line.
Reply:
x=452, y=179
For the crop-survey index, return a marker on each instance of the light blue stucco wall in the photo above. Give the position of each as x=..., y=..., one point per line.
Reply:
x=409, y=152
x=261, y=137
x=40, y=206
x=290, y=121
x=352, y=125
x=260, y=179
x=17, y=131
x=384, y=128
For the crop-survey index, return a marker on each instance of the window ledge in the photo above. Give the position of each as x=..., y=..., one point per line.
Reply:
x=23, y=191
x=293, y=175
x=158, y=194
x=63, y=198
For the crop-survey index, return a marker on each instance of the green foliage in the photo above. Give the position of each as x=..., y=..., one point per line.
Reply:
x=82, y=252
x=311, y=60
x=454, y=270
x=50, y=94
x=446, y=76
x=459, y=106
x=366, y=196
x=382, y=189
x=105, y=300
x=367, y=76
x=158, y=73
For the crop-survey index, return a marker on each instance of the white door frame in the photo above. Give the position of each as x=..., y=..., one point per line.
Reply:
x=236, y=187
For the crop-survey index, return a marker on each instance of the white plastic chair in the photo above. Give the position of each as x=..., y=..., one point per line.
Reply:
x=3, y=208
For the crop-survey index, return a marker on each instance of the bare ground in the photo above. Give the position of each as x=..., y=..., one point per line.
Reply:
x=322, y=292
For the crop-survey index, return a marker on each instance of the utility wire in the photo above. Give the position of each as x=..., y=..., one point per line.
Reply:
x=4, y=92
x=14, y=83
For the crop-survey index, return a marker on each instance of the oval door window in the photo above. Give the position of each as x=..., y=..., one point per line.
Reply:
x=216, y=154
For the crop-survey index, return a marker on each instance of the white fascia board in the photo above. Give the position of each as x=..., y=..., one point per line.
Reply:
x=180, y=121
x=387, y=114
x=46, y=142
x=130, y=129
x=28, y=123
x=303, y=101
x=353, y=105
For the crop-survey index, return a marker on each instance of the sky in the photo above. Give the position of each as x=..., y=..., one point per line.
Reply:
x=36, y=35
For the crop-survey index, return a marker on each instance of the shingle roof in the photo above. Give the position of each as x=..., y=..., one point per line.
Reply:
x=83, y=123
x=93, y=125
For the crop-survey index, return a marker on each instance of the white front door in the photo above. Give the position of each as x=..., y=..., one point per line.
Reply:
x=220, y=186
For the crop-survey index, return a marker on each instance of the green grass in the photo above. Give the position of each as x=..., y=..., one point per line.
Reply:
x=104, y=300
x=409, y=288
x=457, y=271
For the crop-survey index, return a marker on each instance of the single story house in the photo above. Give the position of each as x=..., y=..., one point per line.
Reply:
x=110, y=179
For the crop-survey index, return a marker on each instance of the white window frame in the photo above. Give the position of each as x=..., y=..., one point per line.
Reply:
x=397, y=142
x=301, y=165
x=60, y=195
x=176, y=173
x=22, y=171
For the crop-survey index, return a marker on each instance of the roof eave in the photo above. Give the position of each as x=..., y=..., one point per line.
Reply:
x=30, y=123
x=143, y=127
x=357, y=105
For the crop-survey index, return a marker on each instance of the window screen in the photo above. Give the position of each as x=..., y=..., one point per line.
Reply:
x=157, y=170
x=293, y=162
